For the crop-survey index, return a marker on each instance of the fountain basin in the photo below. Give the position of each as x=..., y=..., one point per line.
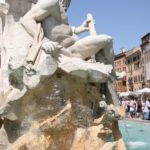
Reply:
x=136, y=134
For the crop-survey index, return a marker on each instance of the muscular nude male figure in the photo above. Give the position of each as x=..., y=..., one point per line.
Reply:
x=53, y=17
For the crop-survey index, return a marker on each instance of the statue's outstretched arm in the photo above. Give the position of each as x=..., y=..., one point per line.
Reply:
x=82, y=28
x=39, y=12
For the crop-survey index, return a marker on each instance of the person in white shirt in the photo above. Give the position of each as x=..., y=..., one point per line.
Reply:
x=146, y=110
x=132, y=108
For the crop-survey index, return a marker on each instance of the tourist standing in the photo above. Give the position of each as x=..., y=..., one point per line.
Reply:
x=146, y=110
x=139, y=109
x=132, y=108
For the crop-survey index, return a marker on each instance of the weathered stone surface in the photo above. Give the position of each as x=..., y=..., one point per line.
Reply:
x=53, y=104
x=90, y=72
x=3, y=139
x=55, y=115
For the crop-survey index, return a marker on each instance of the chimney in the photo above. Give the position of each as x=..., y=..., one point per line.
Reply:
x=123, y=50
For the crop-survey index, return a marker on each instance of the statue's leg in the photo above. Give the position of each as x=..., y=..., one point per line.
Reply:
x=90, y=45
x=107, y=52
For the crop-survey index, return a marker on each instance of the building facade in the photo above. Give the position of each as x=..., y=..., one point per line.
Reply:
x=120, y=66
x=134, y=75
x=145, y=46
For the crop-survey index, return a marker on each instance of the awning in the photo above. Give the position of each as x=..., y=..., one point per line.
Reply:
x=145, y=90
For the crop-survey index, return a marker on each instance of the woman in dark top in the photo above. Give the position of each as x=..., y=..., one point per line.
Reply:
x=139, y=109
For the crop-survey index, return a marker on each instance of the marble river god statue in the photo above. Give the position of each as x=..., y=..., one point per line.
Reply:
x=56, y=89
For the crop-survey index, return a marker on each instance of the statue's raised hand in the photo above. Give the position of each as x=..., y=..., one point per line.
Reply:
x=85, y=25
x=50, y=47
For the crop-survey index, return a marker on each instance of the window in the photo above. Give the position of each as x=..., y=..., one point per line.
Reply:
x=120, y=62
x=130, y=68
x=141, y=77
x=138, y=78
x=129, y=61
x=136, y=66
x=124, y=68
x=135, y=79
x=134, y=58
x=124, y=83
x=130, y=80
x=124, y=61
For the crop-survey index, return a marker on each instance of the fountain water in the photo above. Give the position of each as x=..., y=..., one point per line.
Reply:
x=136, y=134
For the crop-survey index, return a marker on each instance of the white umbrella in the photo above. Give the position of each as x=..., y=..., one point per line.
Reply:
x=123, y=94
x=133, y=93
x=145, y=90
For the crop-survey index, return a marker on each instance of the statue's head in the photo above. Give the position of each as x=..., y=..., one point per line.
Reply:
x=65, y=4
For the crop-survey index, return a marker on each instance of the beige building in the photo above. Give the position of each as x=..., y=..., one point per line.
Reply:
x=120, y=66
x=134, y=69
x=145, y=46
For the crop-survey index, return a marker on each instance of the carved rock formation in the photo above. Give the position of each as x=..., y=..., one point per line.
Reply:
x=58, y=114
x=58, y=107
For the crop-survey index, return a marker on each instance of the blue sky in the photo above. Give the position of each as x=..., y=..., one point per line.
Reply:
x=125, y=20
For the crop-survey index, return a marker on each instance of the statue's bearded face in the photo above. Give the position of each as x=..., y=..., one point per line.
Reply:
x=65, y=4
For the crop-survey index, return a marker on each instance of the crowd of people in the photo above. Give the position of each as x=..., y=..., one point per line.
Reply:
x=136, y=108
